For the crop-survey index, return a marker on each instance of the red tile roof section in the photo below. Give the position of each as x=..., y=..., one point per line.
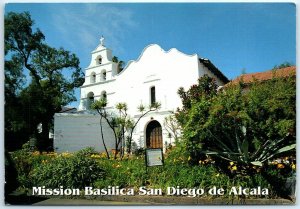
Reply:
x=262, y=76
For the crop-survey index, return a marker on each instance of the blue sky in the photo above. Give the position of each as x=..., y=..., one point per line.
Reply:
x=235, y=36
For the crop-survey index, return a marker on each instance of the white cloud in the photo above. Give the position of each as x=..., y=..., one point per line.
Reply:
x=84, y=28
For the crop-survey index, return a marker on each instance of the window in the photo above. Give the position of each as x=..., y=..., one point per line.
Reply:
x=104, y=95
x=93, y=77
x=152, y=95
x=103, y=75
x=90, y=99
x=99, y=60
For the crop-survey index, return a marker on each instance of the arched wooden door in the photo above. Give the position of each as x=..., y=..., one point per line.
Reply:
x=154, y=135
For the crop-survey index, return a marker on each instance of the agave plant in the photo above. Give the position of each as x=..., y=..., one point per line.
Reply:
x=239, y=151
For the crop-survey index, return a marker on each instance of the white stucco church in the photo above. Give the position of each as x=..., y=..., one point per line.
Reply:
x=155, y=76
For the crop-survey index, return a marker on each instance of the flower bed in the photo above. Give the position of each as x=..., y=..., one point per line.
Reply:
x=88, y=168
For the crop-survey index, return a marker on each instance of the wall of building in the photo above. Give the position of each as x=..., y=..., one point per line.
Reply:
x=73, y=132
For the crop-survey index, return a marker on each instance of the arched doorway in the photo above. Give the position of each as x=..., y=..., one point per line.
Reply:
x=154, y=135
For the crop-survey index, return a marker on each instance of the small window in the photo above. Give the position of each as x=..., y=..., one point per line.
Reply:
x=152, y=95
x=93, y=77
x=90, y=99
x=103, y=75
x=104, y=95
x=100, y=60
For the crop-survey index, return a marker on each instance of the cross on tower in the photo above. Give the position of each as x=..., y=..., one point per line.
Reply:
x=102, y=41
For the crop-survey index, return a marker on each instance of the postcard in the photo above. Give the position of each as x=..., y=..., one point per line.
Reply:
x=150, y=103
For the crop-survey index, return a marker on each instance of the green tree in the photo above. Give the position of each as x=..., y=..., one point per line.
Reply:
x=194, y=112
x=245, y=125
x=14, y=81
x=283, y=65
x=54, y=72
x=254, y=125
x=119, y=62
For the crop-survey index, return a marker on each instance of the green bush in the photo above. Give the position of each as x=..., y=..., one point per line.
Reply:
x=11, y=175
x=177, y=154
x=71, y=171
x=126, y=173
x=242, y=124
x=87, y=151
x=24, y=162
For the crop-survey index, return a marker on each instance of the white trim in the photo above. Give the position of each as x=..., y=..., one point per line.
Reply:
x=108, y=71
x=153, y=113
x=99, y=95
x=150, y=45
x=96, y=83
x=99, y=65
x=100, y=50
x=157, y=79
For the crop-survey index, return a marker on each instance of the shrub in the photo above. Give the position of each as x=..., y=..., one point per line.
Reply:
x=11, y=182
x=71, y=171
x=87, y=151
x=24, y=162
x=177, y=154
x=126, y=173
x=139, y=152
x=243, y=125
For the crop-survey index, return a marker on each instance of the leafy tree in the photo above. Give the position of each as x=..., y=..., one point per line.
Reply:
x=255, y=127
x=194, y=112
x=54, y=72
x=242, y=125
x=283, y=65
x=119, y=62
x=206, y=89
x=14, y=80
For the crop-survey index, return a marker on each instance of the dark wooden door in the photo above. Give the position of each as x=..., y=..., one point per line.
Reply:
x=154, y=135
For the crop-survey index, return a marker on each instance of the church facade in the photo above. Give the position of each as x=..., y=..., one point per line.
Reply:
x=155, y=76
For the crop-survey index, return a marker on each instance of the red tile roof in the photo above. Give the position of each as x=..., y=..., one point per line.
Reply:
x=262, y=76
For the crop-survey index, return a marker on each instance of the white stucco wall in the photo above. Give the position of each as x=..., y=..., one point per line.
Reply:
x=167, y=71
x=73, y=132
